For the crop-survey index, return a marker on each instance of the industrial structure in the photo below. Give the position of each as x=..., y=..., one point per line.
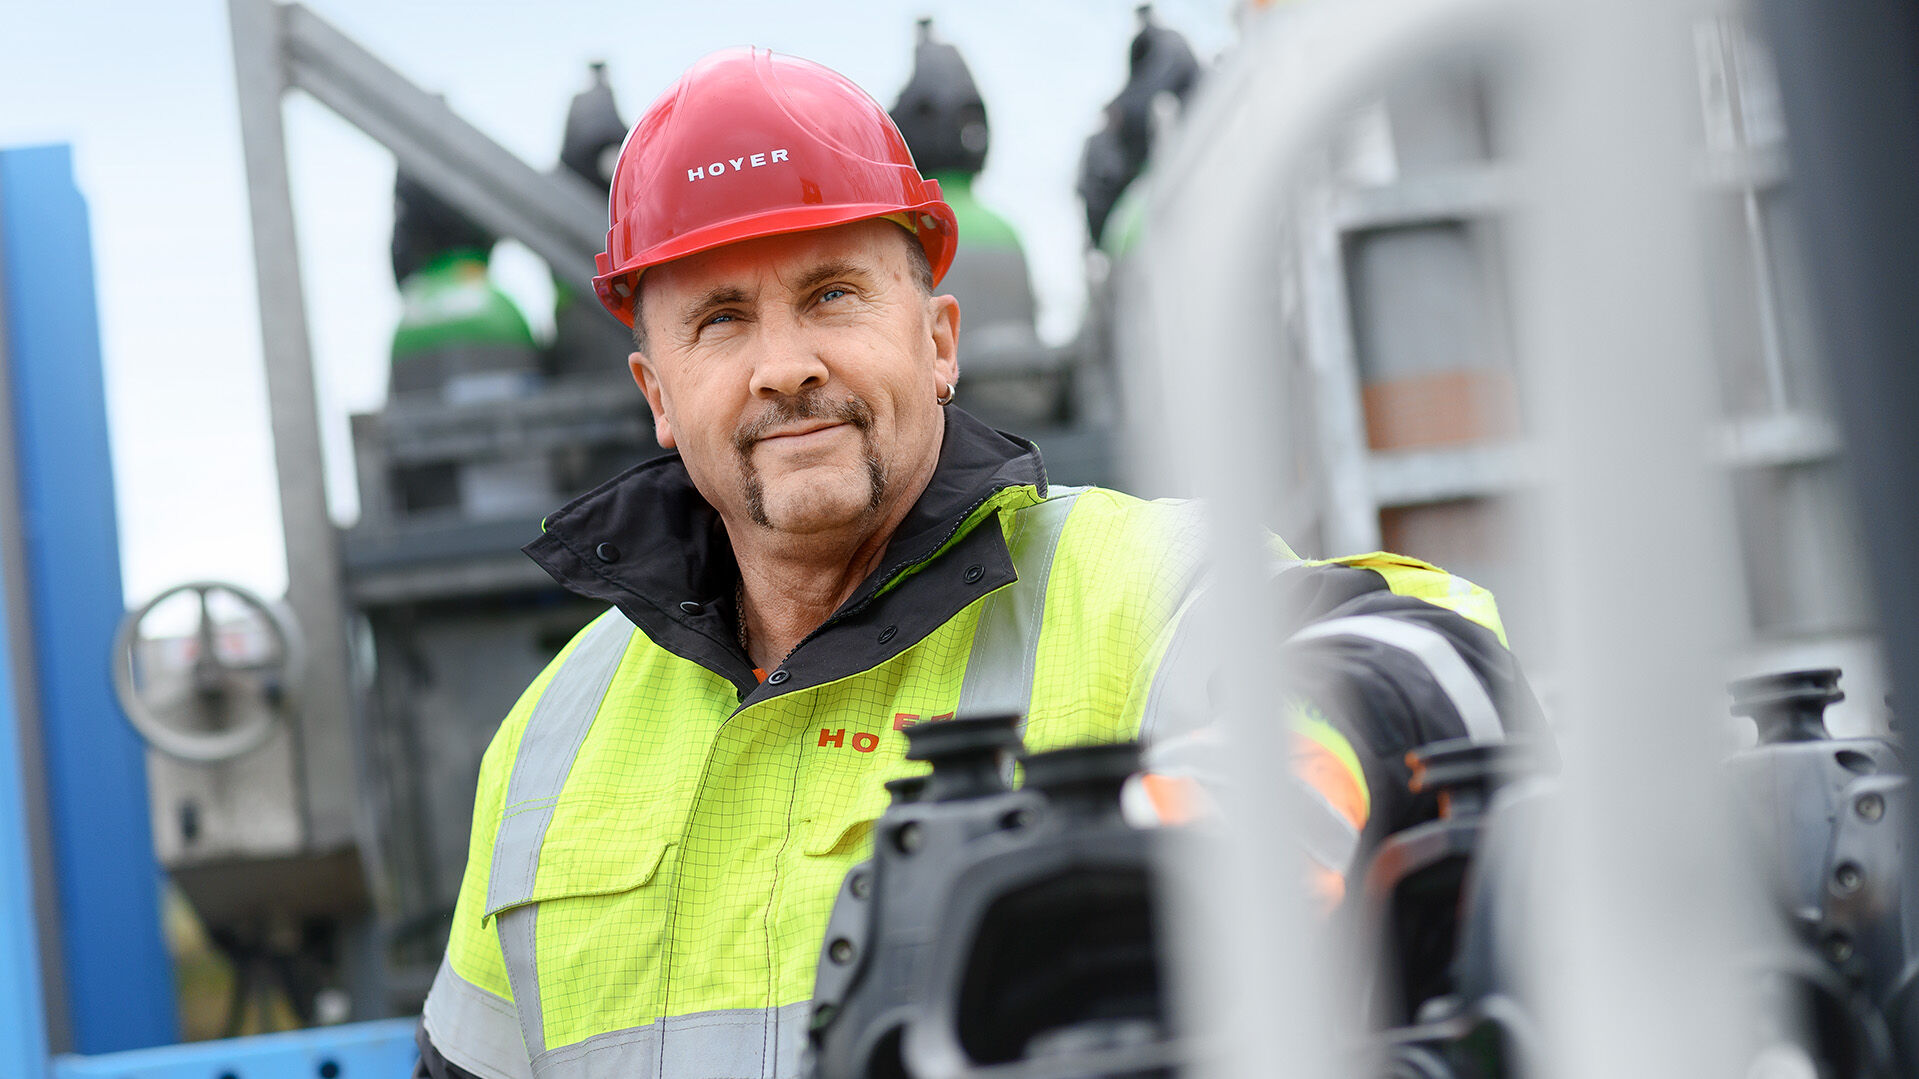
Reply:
x=303, y=768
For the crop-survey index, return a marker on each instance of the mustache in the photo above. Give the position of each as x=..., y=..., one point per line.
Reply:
x=811, y=405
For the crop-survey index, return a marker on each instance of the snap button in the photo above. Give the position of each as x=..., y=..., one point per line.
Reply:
x=607, y=552
x=887, y=633
x=777, y=677
x=974, y=573
x=689, y=607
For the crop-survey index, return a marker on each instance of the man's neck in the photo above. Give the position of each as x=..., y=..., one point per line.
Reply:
x=790, y=587
x=791, y=583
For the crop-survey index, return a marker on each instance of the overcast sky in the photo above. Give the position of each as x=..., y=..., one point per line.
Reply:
x=144, y=93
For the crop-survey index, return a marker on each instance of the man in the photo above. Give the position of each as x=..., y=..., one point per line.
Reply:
x=664, y=819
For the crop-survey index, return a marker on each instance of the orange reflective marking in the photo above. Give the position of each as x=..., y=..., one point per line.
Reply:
x=1322, y=769
x=1175, y=798
x=1325, y=888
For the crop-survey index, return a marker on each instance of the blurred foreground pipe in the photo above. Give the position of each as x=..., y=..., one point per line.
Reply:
x=1849, y=79
x=1634, y=949
x=1643, y=918
x=1263, y=981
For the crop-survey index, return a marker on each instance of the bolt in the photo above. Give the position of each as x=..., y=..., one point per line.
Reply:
x=1847, y=878
x=1870, y=807
x=840, y=951
x=908, y=838
x=862, y=886
x=1839, y=947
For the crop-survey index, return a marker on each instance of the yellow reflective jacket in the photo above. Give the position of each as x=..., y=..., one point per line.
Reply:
x=658, y=836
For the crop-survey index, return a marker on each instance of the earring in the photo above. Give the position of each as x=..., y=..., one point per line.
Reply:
x=948, y=399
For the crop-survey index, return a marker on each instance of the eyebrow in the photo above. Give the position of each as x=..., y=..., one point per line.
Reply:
x=715, y=297
x=830, y=269
x=724, y=295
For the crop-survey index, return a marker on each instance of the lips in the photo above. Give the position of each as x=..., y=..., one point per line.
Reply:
x=796, y=417
x=803, y=429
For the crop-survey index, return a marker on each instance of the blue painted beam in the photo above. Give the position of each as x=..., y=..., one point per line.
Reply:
x=23, y=1019
x=23, y=1014
x=378, y=1050
x=119, y=976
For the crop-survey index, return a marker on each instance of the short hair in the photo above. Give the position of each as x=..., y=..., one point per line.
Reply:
x=915, y=253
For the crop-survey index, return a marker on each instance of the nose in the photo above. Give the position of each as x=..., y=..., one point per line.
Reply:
x=788, y=363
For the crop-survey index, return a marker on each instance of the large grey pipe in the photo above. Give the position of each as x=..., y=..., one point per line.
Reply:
x=1259, y=970
x=1634, y=946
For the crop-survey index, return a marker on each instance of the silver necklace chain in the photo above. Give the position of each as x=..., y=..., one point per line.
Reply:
x=739, y=623
x=739, y=615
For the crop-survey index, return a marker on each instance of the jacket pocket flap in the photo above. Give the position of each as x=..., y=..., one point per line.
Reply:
x=837, y=835
x=840, y=824
x=562, y=874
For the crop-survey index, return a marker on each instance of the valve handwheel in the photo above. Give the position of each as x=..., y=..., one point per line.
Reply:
x=216, y=683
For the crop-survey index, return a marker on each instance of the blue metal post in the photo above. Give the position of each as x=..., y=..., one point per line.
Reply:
x=23, y=989
x=23, y=1031
x=119, y=977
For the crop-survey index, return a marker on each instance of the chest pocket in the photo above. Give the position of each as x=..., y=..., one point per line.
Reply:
x=564, y=876
x=847, y=829
x=842, y=794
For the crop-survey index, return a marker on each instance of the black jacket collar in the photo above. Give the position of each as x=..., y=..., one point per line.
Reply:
x=647, y=543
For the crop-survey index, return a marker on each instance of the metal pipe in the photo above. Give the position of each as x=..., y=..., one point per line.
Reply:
x=1263, y=980
x=557, y=215
x=1636, y=965
x=1633, y=961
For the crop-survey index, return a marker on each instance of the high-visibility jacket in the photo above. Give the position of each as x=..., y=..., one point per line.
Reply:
x=658, y=836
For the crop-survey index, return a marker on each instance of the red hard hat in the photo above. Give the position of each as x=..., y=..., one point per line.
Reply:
x=750, y=143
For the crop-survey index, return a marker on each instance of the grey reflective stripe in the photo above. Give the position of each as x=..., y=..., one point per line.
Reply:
x=1442, y=661
x=999, y=670
x=474, y=1028
x=552, y=739
x=1175, y=704
x=517, y=937
x=553, y=735
x=739, y=1043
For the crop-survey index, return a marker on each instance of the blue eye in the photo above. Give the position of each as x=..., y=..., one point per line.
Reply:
x=832, y=294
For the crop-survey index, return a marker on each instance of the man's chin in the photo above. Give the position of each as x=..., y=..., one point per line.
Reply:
x=801, y=508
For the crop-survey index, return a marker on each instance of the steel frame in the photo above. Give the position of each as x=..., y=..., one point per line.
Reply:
x=282, y=47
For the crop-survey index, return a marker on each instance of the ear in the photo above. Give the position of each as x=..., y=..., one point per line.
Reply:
x=945, y=314
x=649, y=383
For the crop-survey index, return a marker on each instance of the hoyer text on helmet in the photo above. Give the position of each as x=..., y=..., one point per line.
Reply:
x=752, y=161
